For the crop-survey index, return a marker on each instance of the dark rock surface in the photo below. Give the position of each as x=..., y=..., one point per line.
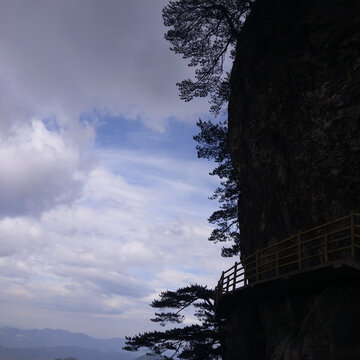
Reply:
x=321, y=325
x=294, y=136
x=294, y=117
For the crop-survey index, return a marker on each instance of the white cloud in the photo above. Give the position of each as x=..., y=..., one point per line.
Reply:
x=20, y=236
x=111, y=257
x=39, y=169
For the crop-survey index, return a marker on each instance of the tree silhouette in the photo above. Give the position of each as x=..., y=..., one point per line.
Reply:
x=212, y=145
x=205, y=32
x=198, y=341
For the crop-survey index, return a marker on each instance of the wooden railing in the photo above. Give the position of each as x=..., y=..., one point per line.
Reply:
x=324, y=244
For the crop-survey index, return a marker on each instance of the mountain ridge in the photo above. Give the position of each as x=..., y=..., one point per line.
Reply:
x=49, y=344
x=17, y=338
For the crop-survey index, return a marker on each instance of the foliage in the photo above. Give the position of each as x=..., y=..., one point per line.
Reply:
x=212, y=145
x=205, y=32
x=193, y=342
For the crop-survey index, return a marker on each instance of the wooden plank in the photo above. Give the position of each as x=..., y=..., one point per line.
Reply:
x=226, y=271
x=289, y=263
x=311, y=257
x=340, y=249
x=289, y=255
x=327, y=224
x=317, y=246
x=293, y=237
x=287, y=248
x=328, y=233
x=348, y=237
x=261, y=263
x=262, y=257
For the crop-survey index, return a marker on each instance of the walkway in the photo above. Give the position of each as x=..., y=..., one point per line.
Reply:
x=331, y=243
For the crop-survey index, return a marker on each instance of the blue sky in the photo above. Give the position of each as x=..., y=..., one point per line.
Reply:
x=104, y=202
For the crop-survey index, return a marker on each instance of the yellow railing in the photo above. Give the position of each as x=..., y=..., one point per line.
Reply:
x=324, y=244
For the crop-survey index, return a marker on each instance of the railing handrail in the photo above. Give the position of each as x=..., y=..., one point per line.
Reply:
x=267, y=263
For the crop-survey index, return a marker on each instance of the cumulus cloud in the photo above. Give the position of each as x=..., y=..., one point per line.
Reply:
x=39, y=169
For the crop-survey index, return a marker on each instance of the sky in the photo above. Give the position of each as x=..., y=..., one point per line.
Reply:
x=104, y=203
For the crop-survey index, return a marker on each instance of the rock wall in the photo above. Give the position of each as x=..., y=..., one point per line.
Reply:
x=294, y=137
x=294, y=117
x=312, y=325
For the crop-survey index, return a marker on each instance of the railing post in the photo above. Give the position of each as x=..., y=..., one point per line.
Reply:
x=257, y=265
x=352, y=229
x=221, y=284
x=244, y=268
x=326, y=259
x=235, y=270
x=299, y=251
x=227, y=283
x=216, y=295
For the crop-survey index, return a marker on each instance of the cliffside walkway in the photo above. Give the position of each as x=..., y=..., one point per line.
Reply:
x=331, y=244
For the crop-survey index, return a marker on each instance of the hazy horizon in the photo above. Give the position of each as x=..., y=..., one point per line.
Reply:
x=5, y=326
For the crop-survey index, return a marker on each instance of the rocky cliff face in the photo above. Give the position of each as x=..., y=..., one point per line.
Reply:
x=294, y=117
x=314, y=324
x=294, y=136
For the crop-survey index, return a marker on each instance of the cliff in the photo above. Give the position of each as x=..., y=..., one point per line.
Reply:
x=294, y=138
x=294, y=129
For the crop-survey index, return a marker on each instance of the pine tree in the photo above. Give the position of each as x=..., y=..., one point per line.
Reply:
x=198, y=341
x=212, y=145
x=205, y=32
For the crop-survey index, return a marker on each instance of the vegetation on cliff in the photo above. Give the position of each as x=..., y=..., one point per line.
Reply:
x=197, y=341
x=212, y=145
x=206, y=33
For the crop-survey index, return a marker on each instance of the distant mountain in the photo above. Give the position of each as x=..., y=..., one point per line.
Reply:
x=50, y=344
x=55, y=352
x=52, y=353
x=15, y=338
